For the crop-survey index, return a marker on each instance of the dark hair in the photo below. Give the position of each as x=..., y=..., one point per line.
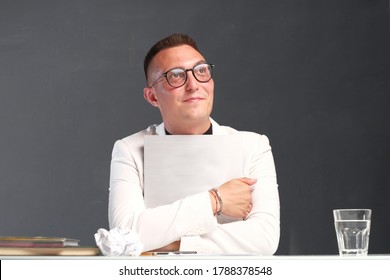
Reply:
x=171, y=41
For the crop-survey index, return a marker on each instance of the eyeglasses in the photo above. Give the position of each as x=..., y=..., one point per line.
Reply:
x=177, y=77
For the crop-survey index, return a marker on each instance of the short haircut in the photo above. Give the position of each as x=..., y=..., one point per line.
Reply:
x=174, y=40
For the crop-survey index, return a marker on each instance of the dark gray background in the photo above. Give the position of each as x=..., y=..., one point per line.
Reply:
x=312, y=75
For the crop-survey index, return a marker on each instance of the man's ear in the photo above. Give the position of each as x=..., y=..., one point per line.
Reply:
x=150, y=96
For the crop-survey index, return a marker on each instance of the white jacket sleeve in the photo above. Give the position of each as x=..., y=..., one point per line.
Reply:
x=160, y=226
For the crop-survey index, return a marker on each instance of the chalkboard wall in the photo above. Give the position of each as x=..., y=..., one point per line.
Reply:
x=312, y=75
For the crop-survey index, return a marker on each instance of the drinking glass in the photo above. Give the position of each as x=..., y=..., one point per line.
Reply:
x=352, y=230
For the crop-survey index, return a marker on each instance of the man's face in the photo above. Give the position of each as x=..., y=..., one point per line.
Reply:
x=180, y=107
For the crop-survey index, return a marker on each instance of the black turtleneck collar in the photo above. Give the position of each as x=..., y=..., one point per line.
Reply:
x=208, y=131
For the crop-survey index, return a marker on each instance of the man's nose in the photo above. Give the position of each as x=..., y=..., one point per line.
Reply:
x=191, y=83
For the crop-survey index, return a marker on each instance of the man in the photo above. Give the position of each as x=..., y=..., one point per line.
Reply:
x=180, y=85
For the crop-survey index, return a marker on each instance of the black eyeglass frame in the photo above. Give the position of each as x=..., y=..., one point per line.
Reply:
x=185, y=71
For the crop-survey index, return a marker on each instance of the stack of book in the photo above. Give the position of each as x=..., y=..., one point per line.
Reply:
x=43, y=246
x=37, y=241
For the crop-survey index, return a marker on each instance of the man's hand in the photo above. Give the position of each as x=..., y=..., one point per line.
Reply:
x=237, y=197
x=174, y=246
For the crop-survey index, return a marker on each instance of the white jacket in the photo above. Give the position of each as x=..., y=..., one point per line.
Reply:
x=191, y=219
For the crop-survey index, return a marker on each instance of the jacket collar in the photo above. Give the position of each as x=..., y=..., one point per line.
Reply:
x=160, y=129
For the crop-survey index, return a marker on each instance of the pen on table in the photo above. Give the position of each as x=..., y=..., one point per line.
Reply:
x=164, y=253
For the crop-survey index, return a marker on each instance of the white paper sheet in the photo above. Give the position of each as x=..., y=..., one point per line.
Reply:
x=180, y=165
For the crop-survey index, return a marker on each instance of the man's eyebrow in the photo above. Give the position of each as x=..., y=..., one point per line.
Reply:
x=197, y=63
x=178, y=67
x=200, y=62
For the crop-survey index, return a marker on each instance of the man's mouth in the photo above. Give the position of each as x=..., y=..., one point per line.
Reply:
x=194, y=99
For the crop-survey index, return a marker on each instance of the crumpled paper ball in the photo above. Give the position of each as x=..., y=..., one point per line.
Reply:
x=118, y=242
